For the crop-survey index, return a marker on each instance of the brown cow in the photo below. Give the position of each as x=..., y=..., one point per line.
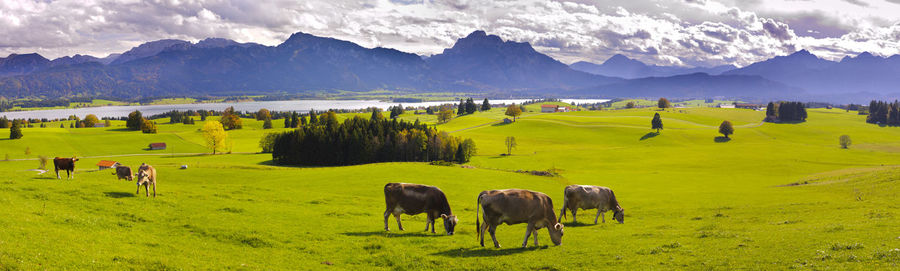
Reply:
x=514, y=206
x=146, y=176
x=123, y=172
x=412, y=199
x=67, y=164
x=589, y=197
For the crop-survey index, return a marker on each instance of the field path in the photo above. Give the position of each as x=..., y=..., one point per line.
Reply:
x=137, y=154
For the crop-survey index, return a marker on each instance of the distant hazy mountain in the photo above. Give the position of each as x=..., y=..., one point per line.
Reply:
x=73, y=60
x=863, y=73
x=145, y=50
x=16, y=64
x=622, y=66
x=698, y=85
x=486, y=61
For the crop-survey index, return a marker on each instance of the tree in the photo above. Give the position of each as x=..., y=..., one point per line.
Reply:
x=726, y=128
x=461, y=109
x=263, y=114
x=267, y=123
x=485, y=105
x=845, y=141
x=376, y=114
x=148, y=127
x=629, y=105
x=313, y=119
x=15, y=132
x=771, y=111
x=663, y=103
x=656, y=123
x=107, y=123
x=302, y=119
x=287, y=122
x=91, y=120
x=27, y=150
x=4, y=122
x=445, y=116
x=510, y=144
x=295, y=120
x=230, y=120
x=214, y=134
x=134, y=121
x=396, y=111
x=513, y=111
x=470, y=106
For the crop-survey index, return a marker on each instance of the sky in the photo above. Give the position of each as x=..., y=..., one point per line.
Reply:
x=670, y=32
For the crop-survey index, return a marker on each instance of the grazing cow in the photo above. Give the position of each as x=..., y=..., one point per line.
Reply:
x=67, y=164
x=123, y=172
x=146, y=176
x=412, y=199
x=589, y=197
x=514, y=206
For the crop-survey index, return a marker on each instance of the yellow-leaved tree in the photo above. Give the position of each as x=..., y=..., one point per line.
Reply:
x=215, y=135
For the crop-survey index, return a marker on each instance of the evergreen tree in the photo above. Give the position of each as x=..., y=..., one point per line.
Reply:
x=485, y=105
x=770, y=110
x=302, y=119
x=287, y=122
x=470, y=106
x=376, y=115
x=461, y=109
x=4, y=122
x=313, y=119
x=267, y=123
x=656, y=123
x=295, y=120
x=15, y=132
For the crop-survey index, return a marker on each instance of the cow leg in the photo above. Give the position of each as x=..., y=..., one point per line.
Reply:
x=57, y=174
x=493, y=231
x=147, y=189
x=154, y=189
x=602, y=216
x=575, y=215
x=387, y=213
x=72, y=173
x=528, y=232
x=481, y=232
x=397, y=216
x=562, y=212
x=534, y=233
x=429, y=220
x=138, y=192
x=599, y=213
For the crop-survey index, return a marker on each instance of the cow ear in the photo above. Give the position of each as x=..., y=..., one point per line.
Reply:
x=444, y=216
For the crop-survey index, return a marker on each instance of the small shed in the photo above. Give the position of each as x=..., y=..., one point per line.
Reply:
x=157, y=146
x=104, y=164
x=549, y=108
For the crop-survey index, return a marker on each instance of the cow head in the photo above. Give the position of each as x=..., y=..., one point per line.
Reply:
x=74, y=158
x=619, y=215
x=143, y=174
x=449, y=223
x=556, y=233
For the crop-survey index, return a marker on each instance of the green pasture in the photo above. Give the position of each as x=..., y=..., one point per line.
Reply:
x=776, y=196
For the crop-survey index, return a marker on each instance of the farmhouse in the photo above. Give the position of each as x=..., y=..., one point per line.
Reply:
x=551, y=108
x=157, y=146
x=104, y=164
x=726, y=105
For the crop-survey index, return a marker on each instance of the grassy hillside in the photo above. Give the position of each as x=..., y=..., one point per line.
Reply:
x=777, y=196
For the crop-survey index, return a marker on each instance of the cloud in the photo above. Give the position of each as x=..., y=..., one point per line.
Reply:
x=673, y=32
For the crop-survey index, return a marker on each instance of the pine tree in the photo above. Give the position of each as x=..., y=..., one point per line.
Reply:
x=376, y=115
x=295, y=120
x=15, y=132
x=770, y=110
x=287, y=122
x=656, y=123
x=485, y=106
x=461, y=109
x=313, y=119
x=470, y=106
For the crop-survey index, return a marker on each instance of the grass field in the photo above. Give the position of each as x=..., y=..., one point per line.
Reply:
x=776, y=196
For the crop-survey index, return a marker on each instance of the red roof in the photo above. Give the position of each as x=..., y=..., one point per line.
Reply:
x=104, y=163
x=154, y=145
x=549, y=105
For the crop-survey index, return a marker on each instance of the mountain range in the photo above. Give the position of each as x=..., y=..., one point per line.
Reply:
x=476, y=63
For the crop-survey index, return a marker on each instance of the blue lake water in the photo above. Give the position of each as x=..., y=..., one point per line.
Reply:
x=294, y=105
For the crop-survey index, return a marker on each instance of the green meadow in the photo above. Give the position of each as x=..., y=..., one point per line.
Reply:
x=776, y=196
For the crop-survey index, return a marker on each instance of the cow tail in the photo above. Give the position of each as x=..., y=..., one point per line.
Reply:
x=565, y=205
x=477, y=217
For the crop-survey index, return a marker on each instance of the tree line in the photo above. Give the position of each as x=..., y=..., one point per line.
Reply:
x=883, y=112
x=786, y=112
x=359, y=140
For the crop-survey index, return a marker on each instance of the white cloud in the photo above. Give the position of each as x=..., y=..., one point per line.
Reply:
x=679, y=32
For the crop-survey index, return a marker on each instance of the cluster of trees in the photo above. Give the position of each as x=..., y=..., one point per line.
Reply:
x=663, y=103
x=786, y=112
x=396, y=111
x=137, y=122
x=296, y=120
x=231, y=120
x=176, y=116
x=881, y=112
x=466, y=107
x=359, y=140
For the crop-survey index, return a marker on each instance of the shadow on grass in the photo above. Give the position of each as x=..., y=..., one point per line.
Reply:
x=118, y=195
x=578, y=224
x=501, y=124
x=649, y=135
x=120, y=130
x=394, y=233
x=722, y=139
x=485, y=252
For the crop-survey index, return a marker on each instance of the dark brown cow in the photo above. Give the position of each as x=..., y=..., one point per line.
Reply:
x=67, y=164
x=412, y=199
x=514, y=206
x=146, y=176
x=123, y=172
x=589, y=197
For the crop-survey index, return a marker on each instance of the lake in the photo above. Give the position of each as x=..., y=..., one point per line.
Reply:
x=294, y=105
